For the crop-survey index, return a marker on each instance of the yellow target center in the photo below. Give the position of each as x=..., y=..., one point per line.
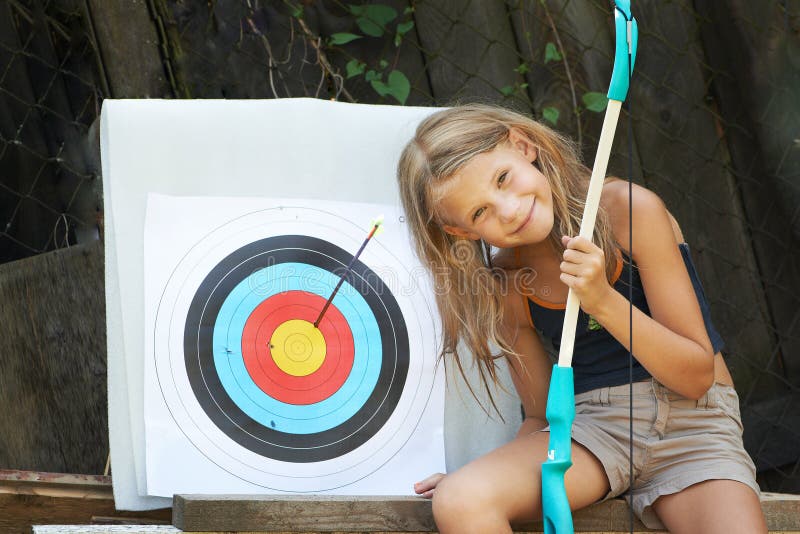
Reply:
x=297, y=347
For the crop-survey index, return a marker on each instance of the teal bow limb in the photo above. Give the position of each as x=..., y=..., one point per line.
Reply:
x=560, y=412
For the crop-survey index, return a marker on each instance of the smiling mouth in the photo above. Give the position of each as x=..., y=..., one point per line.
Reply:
x=527, y=219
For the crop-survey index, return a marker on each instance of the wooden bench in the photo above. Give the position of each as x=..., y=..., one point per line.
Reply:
x=69, y=502
x=361, y=515
x=280, y=514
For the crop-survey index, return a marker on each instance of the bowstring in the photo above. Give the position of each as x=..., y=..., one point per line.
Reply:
x=630, y=292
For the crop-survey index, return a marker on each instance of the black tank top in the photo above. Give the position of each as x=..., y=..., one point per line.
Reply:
x=598, y=359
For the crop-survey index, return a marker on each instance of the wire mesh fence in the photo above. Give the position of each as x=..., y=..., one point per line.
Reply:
x=50, y=93
x=714, y=124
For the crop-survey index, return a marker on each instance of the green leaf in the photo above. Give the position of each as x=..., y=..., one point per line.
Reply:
x=522, y=68
x=595, y=101
x=550, y=114
x=355, y=67
x=400, y=85
x=372, y=19
x=372, y=75
x=380, y=13
x=396, y=86
x=408, y=10
x=404, y=27
x=508, y=90
x=369, y=27
x=380, y=87
x=551, y=53
x=383, y=63
x=297, y=12
x=343, y=38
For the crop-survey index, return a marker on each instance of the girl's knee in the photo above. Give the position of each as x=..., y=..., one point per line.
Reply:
x=461, y=499
x=450, y=501
x=456, y=497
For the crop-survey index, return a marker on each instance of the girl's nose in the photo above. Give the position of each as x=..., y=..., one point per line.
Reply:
x=509, y=209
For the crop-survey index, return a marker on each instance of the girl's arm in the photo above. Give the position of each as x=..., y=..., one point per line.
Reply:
x=672, y=344
x=530, y=371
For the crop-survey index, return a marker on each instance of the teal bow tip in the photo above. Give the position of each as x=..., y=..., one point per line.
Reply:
x=624, y=6
x=556, y=513
x=623, y=68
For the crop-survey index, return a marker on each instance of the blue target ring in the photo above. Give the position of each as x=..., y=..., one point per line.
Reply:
x=233, y=374
x=246, y=415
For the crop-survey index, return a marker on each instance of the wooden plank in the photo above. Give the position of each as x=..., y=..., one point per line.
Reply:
x=20, y=512
x=209, y=513
x=408, y=58
x=583, y=35
x=105, y=529
x=241, y=50
x=287, y=513
x=53, y=369
x=684, y=161
x=772, y=434
x=128, y=43
x=36, y=498
x=55, y=484
x=754, y=77
x=470, y=51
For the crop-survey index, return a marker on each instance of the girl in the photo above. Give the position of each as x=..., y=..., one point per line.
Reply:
x=475, y=177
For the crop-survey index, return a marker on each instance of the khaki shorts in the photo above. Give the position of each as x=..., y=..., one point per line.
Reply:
x=677, y=442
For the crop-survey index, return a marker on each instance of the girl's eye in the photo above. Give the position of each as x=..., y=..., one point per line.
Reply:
x=477, y=214
x=501, y=178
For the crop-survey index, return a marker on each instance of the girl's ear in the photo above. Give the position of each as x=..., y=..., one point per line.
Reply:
x=460, y=232
x=521, y=142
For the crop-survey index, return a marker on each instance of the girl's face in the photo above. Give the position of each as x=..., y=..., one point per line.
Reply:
x=500, y=197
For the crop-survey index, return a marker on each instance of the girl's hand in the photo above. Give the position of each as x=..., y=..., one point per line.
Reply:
x=425, y=488
x=583, y=270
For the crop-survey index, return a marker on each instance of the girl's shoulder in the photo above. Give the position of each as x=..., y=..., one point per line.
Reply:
x=616, y=199
x=644, y=204
x=649, y=212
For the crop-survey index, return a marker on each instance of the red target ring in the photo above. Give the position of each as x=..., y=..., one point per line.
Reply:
x=271, y=379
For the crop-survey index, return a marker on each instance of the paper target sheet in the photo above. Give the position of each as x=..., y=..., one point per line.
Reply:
x=243, y=393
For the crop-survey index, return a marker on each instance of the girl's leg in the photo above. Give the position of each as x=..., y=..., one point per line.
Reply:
x=723, y=506
x=505, y=486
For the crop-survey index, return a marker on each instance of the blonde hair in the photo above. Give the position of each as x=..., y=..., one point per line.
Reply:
x=469, y=291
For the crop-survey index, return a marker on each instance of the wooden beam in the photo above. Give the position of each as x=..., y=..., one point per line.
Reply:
x=55, y=484
x=30, y=498
x=129, y=45
x=470, y=50
x=53, y=369
x=314, y=514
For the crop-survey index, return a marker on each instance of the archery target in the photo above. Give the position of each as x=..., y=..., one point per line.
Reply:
x=261, y=391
